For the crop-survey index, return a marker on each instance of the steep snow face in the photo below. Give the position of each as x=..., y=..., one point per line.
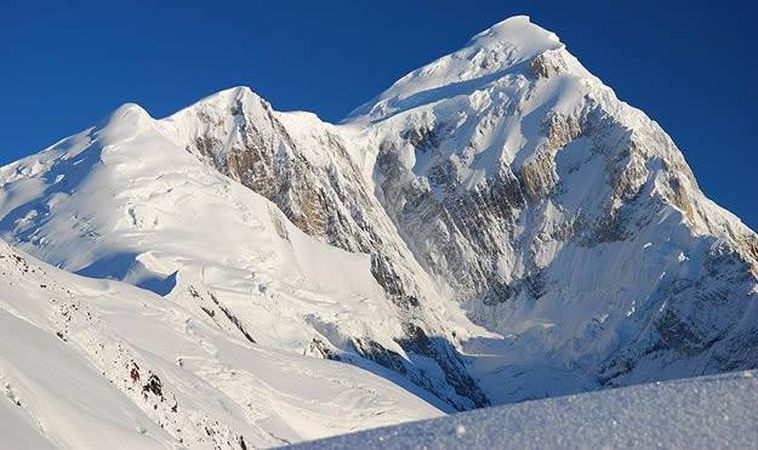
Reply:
x=88, y=363
x=707, y=412
x=561, y=218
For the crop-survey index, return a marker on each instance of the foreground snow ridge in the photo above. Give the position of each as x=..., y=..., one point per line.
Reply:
x=497, y=226
x=707, y=412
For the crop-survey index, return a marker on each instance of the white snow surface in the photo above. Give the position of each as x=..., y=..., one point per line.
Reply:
x=485, y=58
x=707, y=412
x=76, y=355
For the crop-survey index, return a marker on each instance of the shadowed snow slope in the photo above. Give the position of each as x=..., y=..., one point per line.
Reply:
x=497, y=226
x=708, y=412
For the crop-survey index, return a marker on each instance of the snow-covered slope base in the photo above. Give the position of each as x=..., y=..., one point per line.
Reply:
x=101, y=364
x=707, y=412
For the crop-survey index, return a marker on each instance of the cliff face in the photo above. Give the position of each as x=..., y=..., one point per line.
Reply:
x=528, y=234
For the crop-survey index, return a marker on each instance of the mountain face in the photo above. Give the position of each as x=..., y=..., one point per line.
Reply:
x=560, y=218
x=496, y=226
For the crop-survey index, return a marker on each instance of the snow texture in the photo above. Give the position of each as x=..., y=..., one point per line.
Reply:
x=708, y=412
x=92, y=364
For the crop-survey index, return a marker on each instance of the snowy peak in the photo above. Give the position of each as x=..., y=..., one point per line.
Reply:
x=224, y=112
x=561, y=216
x=226, y=98
x=131, y=120
x=488, y=56
x=128, y=113
x=524, y=38
x=124, y=122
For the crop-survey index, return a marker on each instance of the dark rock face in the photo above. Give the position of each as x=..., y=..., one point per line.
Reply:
x=328, y=202
x=685, y=328
x=452, y=368
x=450, y=362
x=153, y=386
x=323, y=350
x=460, y=222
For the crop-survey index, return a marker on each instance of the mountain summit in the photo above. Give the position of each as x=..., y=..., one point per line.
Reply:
x=496, y=226
x=483, y=59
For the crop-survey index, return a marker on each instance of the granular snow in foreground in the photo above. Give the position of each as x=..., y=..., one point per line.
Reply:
x=707, y=412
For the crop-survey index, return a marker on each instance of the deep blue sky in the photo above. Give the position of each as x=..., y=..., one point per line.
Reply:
x=691, y=65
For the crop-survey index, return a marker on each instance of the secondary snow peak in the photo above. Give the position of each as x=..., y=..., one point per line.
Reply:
x=124, y=122
x=224, y=99
x=128, y=113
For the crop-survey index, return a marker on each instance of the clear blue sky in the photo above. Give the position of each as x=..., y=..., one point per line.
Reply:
x=691, y=65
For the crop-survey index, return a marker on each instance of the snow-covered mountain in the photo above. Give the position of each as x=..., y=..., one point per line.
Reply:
x=496, y=226
x=560, y=218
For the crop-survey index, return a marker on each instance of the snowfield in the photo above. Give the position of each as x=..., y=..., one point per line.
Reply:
x=707, y=412
x=495, y=227
x=92, y=364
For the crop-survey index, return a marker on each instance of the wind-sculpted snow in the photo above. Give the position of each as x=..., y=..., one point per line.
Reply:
x=497, y=226
x=708, y=412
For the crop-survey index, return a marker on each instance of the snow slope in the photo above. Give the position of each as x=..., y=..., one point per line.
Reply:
x=708, y=412
x=86, y=363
